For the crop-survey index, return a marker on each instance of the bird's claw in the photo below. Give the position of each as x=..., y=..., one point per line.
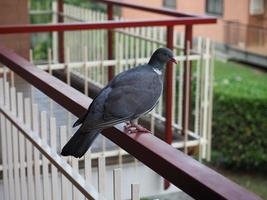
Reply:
x=135, y=128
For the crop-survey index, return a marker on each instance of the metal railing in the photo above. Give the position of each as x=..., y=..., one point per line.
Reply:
x=181, y=170
x=249, y=38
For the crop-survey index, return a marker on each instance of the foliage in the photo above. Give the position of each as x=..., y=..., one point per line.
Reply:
x=87, y=4
x=40, y=5
x=240, y=117
x=40, y=50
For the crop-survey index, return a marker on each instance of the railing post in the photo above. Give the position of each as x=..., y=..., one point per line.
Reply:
x=187, y=92
x=60, y=10
x=169, y=93
x=110, y=41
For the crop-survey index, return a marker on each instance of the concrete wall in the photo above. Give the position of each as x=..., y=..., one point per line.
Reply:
x=15, y=12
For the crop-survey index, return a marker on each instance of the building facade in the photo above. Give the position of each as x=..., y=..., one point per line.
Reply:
x=15, y=12
x=241, y=23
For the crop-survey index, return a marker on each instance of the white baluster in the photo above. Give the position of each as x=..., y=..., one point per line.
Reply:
x=22, y=149
x=29, y=149
x=117, y=184
x=53, y=139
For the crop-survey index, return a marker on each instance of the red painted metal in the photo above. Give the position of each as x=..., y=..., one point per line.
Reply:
x=110, y=42
x=60, y=9
x=162, y=11
x=169, y=85
x=187, y=83
x=189, y=175
x=169, y=94
x=26, y=28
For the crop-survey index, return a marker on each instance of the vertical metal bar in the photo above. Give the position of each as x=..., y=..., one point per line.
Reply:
x=142, y=41
x=137, y=42
x=85, y=59
x=4, y=156
x=31, y=56
x=9, y=144
x=49, y=55
x=12, y=81
x=187, y=84
x=54, y=172
x=181, y=86
x=60, y=10
x=7, y=94
x=169, y=93
x=29, y=150
x=102, y=176
x=4, y=143
x=110, y=41
x=206, y=97
x=10, y=160
x=75, y=166
x=160, y=106
x=22, y=150
x=55, y=34
x=186, y=98
x=46, y=181
x=15, y=145
x=174, y=82
x=88, y=167
x=117, y=184
x=197, y=98
x=1, y=91
x=37, y=172
x=211, y=80
x=135, y=190
x=65, y=192
x=67, y=66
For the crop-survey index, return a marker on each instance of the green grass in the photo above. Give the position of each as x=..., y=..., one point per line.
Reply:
x=240, y=81
x=253, y=181
x=237, y=80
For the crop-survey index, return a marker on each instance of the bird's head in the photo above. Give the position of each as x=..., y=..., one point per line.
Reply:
x=162, y=55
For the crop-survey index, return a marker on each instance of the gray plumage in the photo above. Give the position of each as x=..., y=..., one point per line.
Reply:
x=129, y=95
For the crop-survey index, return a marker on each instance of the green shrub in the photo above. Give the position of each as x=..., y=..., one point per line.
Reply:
x=240, y=119
x=240, y=132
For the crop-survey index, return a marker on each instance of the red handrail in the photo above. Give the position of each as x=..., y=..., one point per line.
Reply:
x=27, y=28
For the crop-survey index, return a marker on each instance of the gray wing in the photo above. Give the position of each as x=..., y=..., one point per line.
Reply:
x=98, y=100
x=128, y=96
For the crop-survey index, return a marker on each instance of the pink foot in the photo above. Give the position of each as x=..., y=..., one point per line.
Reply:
x=135, y=128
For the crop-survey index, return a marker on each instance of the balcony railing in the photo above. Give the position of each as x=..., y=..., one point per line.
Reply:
x=248, y=38
x=189, y=175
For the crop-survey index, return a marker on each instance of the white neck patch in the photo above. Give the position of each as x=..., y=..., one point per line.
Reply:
x=157, y=71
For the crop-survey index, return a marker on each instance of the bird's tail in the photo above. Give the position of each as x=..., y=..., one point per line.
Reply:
x=79, y=143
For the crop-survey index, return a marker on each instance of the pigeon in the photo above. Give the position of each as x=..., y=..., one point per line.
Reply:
x=126, y=97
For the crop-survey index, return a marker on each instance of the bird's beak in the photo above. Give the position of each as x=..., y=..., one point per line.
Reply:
x=173, y=60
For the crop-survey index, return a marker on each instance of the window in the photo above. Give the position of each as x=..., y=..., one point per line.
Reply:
x=169, y=4
x=256, y=7
x=214, y=7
